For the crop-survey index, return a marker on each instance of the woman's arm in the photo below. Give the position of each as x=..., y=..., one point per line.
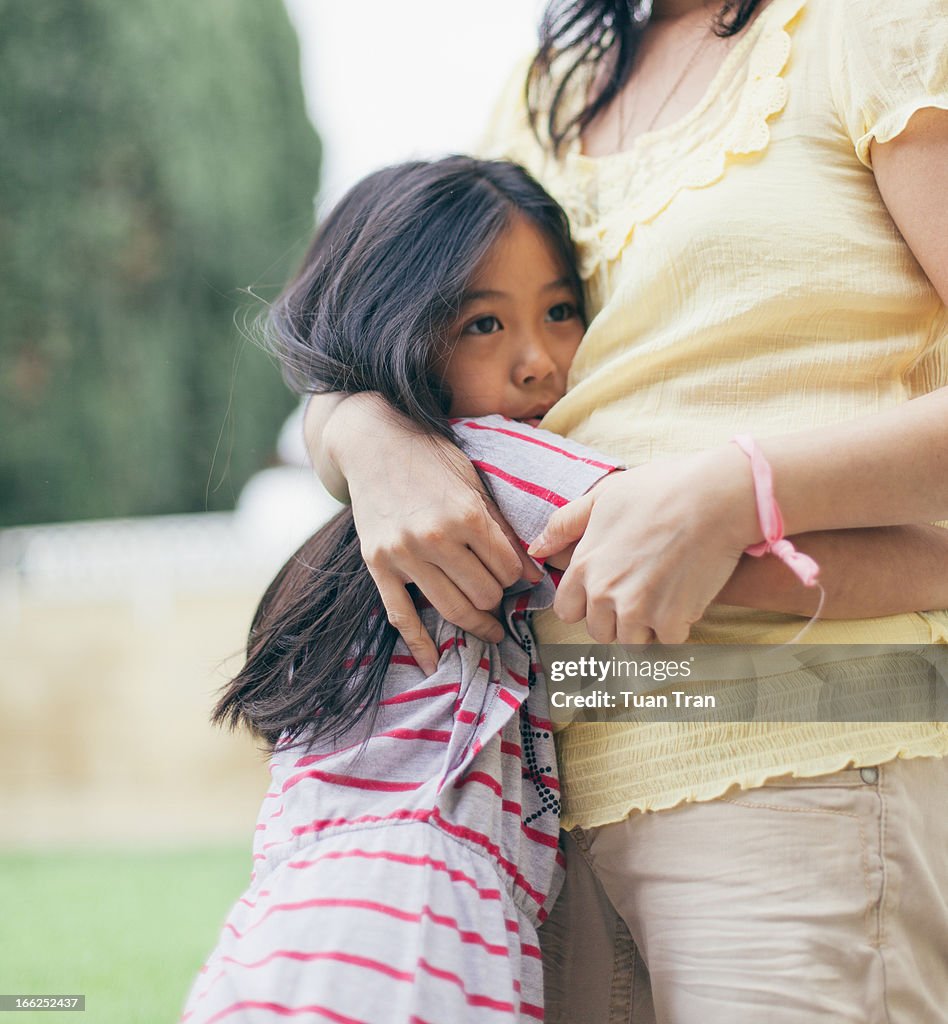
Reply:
x=316, y=416
x=422, y=515
x=659, y=542
x=866, y=574
x=912, y=176
x=679, y=527
x=682, y=524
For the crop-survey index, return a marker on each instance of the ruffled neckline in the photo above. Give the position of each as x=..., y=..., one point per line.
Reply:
x=731, y=120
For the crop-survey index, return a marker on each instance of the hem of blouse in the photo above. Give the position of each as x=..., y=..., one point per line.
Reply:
x=891, y=125
x=754, y=780
x=763, y=96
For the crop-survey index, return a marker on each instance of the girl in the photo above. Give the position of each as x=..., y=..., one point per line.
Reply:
x=407, y=849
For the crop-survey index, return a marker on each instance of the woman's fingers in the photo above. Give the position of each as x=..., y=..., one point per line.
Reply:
x=433, y=555
x=675, y=631
x=572, y=596
x=496, y=546
x=403, y=615
x=601, y=622
x=471, y=578
x=450, y=603
x=566, y=525
x=423, y=517
x=453, y=604
x=636, y=635
x=658, y=542
x=616, y=613
x=450, y=600
x=525, y=567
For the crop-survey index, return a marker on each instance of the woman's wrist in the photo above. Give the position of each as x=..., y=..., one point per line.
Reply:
x=316, y=419
x=365, y=438
x=726, y=490
x=885, y=469
x=343, y=433
x=358, y=424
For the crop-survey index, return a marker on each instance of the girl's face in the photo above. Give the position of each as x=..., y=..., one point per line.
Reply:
x=517, y=332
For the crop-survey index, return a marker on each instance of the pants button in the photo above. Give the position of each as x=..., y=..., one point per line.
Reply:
x=869, y=775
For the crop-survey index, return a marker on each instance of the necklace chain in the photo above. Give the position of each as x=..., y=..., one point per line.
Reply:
x=704, y=42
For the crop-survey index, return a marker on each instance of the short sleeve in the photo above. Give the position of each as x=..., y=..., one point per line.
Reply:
x=508, y=124
x=889, y=59
x=531, y=472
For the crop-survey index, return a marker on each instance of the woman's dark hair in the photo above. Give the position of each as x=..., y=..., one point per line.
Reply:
x=370, y=310
x=576, y=34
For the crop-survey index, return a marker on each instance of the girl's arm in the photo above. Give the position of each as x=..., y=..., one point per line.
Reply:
x=867, y=574
x=530, y=472
x=870, y=572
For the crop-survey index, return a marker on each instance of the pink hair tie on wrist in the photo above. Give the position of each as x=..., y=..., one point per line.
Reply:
x=802, y=566
x=771, y=521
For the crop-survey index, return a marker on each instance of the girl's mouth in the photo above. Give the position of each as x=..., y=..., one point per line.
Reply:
x=534, y=416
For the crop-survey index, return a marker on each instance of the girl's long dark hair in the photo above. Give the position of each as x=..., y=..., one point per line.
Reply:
x=576, y=34
x=370, y=310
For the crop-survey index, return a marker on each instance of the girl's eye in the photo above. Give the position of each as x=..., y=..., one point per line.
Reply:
x=561, y=311
x=483, y=325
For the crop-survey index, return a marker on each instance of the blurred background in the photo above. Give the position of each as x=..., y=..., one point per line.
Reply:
x=162, y=165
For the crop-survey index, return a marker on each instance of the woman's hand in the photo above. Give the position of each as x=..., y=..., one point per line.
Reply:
x=423, y=517
x=657, y=545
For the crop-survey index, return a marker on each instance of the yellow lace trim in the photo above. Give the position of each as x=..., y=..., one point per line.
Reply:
x=635, y=186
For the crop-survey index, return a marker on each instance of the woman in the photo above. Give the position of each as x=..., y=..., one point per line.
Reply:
x=764, y=247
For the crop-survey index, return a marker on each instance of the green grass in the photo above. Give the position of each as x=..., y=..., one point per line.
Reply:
x=127, y=930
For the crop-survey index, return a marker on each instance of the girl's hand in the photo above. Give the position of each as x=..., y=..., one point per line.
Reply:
x=423, y=517
x=656, y=545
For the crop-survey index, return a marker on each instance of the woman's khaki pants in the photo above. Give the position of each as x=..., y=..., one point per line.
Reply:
x=802, y=902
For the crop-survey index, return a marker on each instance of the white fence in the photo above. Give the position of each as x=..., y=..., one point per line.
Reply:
x=148, y=560
x=115, y=637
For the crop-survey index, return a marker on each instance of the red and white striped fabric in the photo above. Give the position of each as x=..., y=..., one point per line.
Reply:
x=400, y=876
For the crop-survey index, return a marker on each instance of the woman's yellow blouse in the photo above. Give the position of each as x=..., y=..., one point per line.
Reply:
x=744, y=276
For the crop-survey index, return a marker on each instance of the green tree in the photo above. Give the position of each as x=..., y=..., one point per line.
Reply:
x=155, y=162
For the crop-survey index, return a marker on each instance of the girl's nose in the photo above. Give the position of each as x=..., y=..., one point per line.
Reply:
x=536, y=364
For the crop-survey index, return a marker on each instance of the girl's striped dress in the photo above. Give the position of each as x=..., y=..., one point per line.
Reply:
x=401, y=877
